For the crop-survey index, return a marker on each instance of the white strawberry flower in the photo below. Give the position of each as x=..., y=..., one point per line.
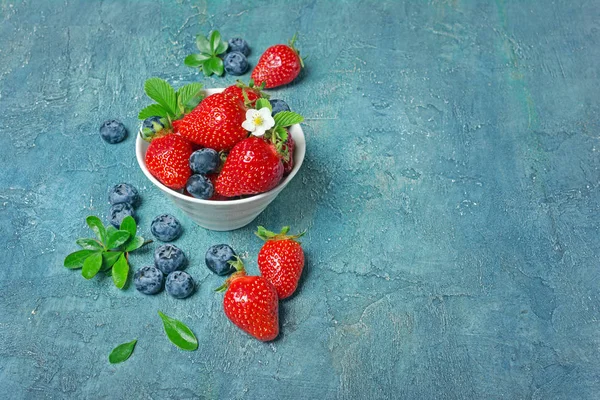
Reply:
x=258, y=121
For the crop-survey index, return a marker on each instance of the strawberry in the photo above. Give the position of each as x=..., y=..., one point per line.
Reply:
x=289, y=164
x=237, y=92
x=167, y=159
x=281, y=260
x=251, y=303
x=253, y=166
x=216, y=196
x=278, y=65
x=216, y=123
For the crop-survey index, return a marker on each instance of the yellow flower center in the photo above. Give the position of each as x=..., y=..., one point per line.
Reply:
x=258, y=120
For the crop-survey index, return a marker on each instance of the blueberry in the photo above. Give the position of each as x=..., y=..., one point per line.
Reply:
x=236, y=63
x=200, y=187
x=169, y=258
x=118, y=212
x=165, y=228
x=278, y=106
x=123, y=193
x=204, y=161
x=217, y=258
x=113, y=131
x=179, y=284
x=148, y=280
x=151, y=126
x=239, y=44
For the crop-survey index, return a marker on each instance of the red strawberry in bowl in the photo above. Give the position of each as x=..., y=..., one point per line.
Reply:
x=216, y=123
x=167, y=159
x=281, y=260
x=278, y=65
x=251, y=303
x=253, y=166
x=288, y=164
x=237, y=92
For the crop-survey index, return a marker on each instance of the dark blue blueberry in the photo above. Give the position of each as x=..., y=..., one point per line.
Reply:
x=151, y=126
x=148, y=280
x=239, y=44
x=179, y=284
x=200, y=187
x=278, y=106
x=169, y=258
x=166, y=228
x=118, y=212
x=236, y=63
x=204, y=161
x=124, y=193
x=113, y=131
x=217, y=259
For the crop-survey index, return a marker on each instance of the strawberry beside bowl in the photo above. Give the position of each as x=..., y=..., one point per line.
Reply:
x=229, y=214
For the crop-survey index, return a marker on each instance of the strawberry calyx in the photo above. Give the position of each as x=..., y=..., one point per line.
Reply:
x=251, y=86
x=291, y=46
x=267, y=235
x=238, y=264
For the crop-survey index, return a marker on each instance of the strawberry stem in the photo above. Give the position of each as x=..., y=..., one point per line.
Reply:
x=238, y=264
x=266, y=235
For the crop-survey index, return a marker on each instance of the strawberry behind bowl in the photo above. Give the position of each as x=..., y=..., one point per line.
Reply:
x=225, y=215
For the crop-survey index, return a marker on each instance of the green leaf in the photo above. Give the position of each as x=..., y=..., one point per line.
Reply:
x=109, y=258
x=116, y=239
x=160, y=91
x=121, y=352
x=96, y=225
x=215, y=41
x=188, y=92
x=215, y=65
x=75, y=260
x=120, y=271
x=196, y=60
x=153, y=110
x=287, y=118
x=281, y=133
x=128, y=224
x=89, y=244
x=203, y=44
x=92, y=265
x=110, y=230
x=262, y=103
x=178, y=333
x=134, y=243
x=222, y=48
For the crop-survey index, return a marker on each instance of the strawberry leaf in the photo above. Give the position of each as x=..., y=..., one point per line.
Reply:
x=188, y=95
x=160, y=91
x=262, y=103
x=287, y=118
x=153, y=110
x=203, y=44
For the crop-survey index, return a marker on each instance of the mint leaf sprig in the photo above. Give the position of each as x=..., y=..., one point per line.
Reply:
x=207, y=60
x=110, y=250
x=278, y=135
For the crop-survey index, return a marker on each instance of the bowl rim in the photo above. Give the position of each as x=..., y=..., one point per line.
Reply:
x=297, y=129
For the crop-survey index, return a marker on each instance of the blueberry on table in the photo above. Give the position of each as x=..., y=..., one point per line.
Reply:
x=204, y=161
x=166, y=228
x=236, y=63
x=169, y=258
x=124, y=193
x=278, y=106
x=239, y=44
x=217, y=259
x=179, y=284
x=200, y=187
x=148, y=280
x=113, y=131
x=118, y=212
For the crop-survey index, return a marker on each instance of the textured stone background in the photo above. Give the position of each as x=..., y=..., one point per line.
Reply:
x=450, y=194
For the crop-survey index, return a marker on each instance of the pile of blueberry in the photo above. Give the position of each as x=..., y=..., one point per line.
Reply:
x=202, y=162
x=123, y=199
x=169, y=260
x=235, y=62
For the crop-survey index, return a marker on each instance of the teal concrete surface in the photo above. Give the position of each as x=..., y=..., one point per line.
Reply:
x=450, y=192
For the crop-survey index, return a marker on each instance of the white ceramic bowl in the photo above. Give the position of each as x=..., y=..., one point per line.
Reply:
x=230, y=214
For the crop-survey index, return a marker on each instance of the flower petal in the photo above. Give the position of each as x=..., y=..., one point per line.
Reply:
x=265, y=113
x=251, y=113
x=248, y=125
x=259, y=131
